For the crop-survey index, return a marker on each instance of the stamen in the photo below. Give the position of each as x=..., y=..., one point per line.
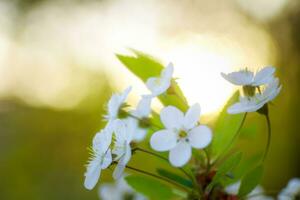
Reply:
x=144, y=122
x=122, y=112
x=249, y=90
x=182, y=134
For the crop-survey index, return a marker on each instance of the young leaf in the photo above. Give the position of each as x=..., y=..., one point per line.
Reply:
x=250, y=181
x=175, y=177
x=225, y=128
x=225, y=168
x=144, y=67
x=229, y=164
x=246, y=164
x=150, y=187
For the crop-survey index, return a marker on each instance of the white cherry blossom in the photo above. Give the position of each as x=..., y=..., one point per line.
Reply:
x=115, y=104
x=254, y=103
x=258, y=89
x=140, y=115
x=245, y=77
x=292, y=190
x=159, y=85
x=118, y=191
x=181, y=134
x=124, y=130
x=101, y=158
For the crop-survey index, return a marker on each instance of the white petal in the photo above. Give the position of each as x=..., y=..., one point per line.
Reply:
x=109, y=192
x=118, y=172
x=158, y=85
x=120, y=131
x=107, y=159
x=101, y=141
x=200, y=137
x=167, y=72
x=192, y=116
x=113, y=106
x=293, y=186
x=264, y=76
x=134, y=132
x=140, y=134
x=271, y=91
x=181, y=154
x=115, y=102
x=246, y=106
x=92, y=175
x=163, y=140
x=242, y=77
x=151, y=84
x=233, y=189
x=172, y=117
x=124, y=94
x=143, y=108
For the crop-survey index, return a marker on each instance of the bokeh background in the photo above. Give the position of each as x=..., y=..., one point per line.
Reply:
x=58, y=68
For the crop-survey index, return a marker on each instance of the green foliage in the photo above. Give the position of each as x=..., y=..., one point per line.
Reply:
x=144, y=67
x=175, y=177
x=225, y=128
x=225, y=168
x=246, y=164
x=150, y=187
x=250, y=180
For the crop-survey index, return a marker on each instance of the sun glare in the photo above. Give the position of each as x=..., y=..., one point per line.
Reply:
x=198, y=69
x=90, y=35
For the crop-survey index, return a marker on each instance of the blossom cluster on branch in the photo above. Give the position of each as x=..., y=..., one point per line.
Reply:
x=176, y=130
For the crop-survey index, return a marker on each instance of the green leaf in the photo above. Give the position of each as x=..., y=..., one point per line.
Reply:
x=250, y=181
x=226, y=167
x=144, y=67
x=245, y=165
x=150, y=187
x=175, y=177
x=225, y=128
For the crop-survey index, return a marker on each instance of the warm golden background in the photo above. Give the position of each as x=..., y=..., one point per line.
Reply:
x=57, y=69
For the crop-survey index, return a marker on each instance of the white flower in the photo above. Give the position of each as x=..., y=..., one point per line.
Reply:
x=245, y=77
x=101, y=158
x=181, y=134
x=119, y=191
x=158, y=85
x=124, y=130
x=292, y=191
x=115, y=104
x=141, y=114
x=258, y=89
x=252, y=104
x=256, y=194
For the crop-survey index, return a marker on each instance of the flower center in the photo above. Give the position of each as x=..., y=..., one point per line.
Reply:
x=128, y=196
x=249, y=90
x=122, y=113
x=144, y=122
x=182, y=134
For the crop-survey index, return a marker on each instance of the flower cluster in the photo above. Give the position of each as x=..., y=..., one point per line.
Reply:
x=177, y=130
x=113, y=144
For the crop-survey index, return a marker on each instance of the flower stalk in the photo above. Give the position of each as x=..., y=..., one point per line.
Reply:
x=155, y=176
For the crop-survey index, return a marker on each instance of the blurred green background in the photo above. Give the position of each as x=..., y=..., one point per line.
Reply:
x=57, y=70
